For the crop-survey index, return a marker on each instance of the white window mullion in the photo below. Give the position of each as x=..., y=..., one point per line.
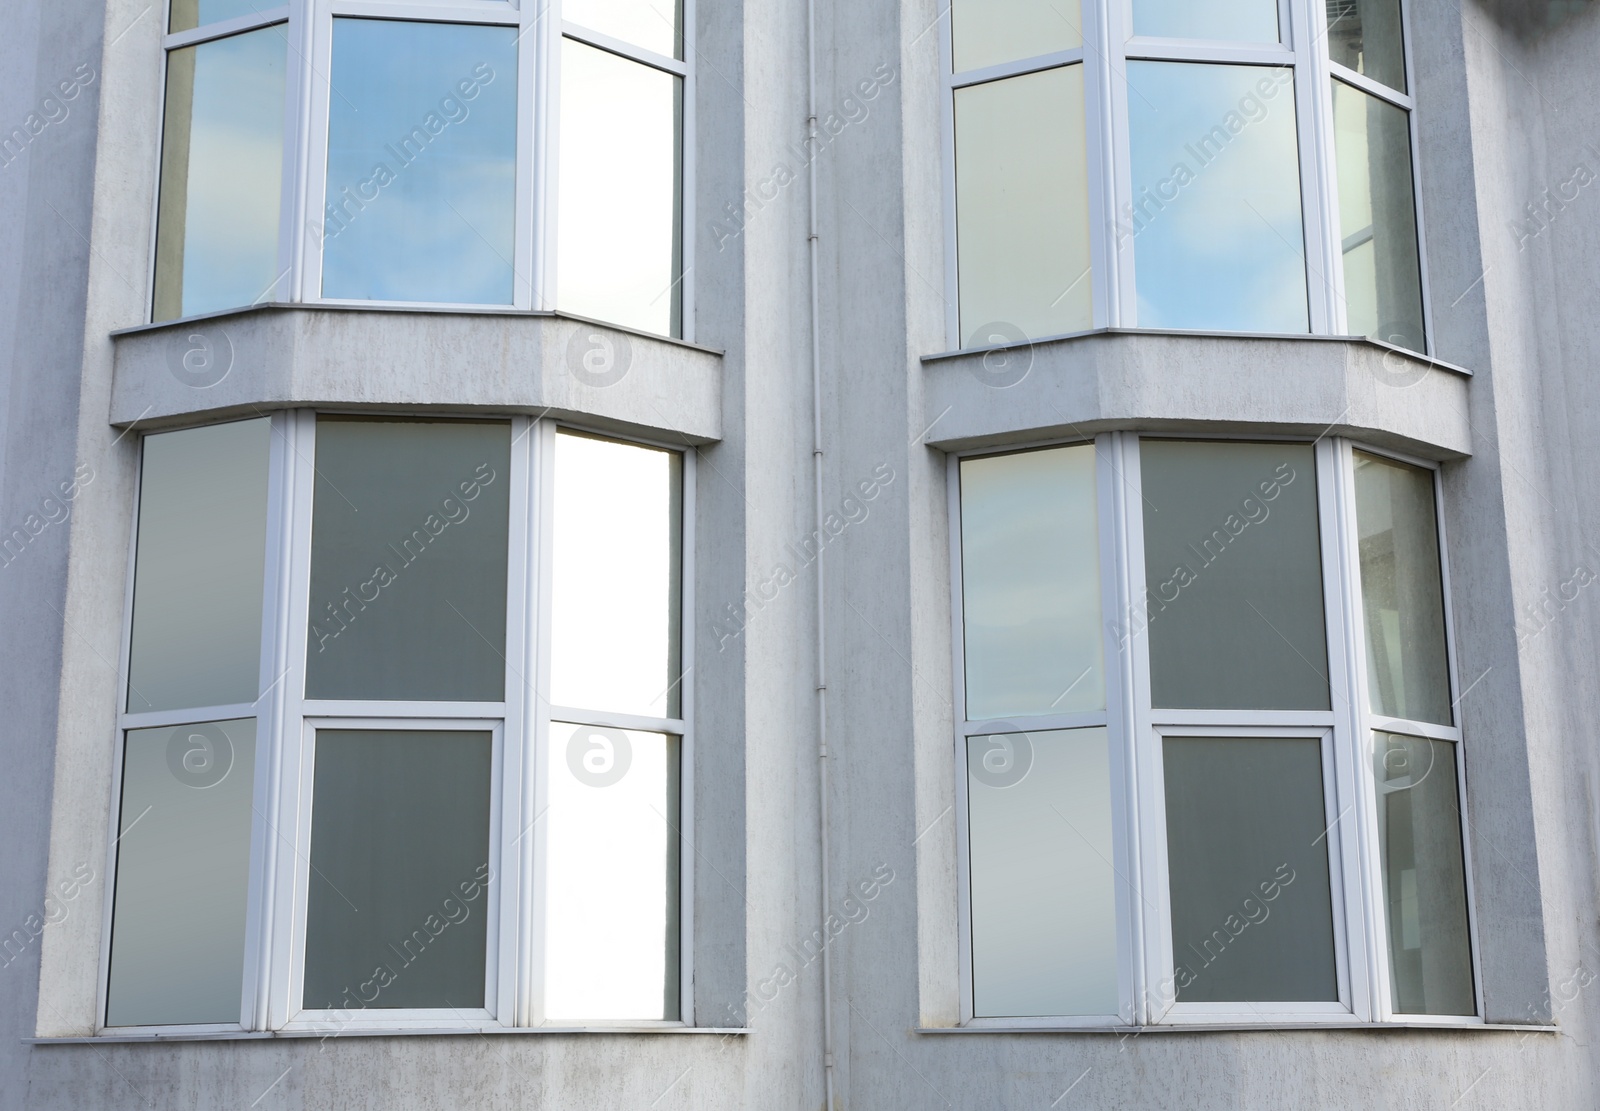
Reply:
x=534, y=835
x=1117, y=173
x=312, y=151
x=543, y=34
x=1318, y=170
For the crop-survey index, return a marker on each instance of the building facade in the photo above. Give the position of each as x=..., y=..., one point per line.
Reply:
x=684, y=554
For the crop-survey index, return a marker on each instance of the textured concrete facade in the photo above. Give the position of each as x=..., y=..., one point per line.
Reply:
x=1508, y=110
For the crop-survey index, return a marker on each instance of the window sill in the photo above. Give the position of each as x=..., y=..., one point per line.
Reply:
x=1242, y=1027
x=378, y=1032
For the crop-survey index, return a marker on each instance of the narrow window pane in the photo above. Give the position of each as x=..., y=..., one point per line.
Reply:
x=1377, y=218
x=1366, y=36
x=1225, y=20
x=1022, y=206
x=397, y=906
x=221, y=175
x=619, y=243
x=1247, y=858
x=611, y=875
x=615, y=577
x=1402, y=593
x=989, y=32
x=189, y=14
x=1233, y=577
x=422, y=168
x=1044, y=917
x=1424, y=877
x=199, y=568
x=1215, y=218
x=655, y=25
x=408, y=560
x=183, y=875
x=1030, y=583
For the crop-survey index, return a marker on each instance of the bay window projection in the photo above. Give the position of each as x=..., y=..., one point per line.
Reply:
x=383, y=760
x=1180, y=805
x=425, y=162
x=1157, y=164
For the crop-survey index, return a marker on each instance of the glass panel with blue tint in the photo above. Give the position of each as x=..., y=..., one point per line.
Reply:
x=422, y=178
x=1215, y=220
x=655, y=25
x=221, y=175
x=189, y=14
x=1217, y=20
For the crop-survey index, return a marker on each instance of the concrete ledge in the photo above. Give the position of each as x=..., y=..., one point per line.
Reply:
x=281, y=356
x=1157, y=381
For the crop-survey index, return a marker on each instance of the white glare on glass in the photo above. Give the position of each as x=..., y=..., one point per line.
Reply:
x=1217, y=20
x=422, y=173
x=989, y=32
x=1044, y=917
x=1215, y=218
x=617, y=240
x=1030, y=583
x=183, y=874
x=199, y=568
x=611, y=875
x=221, y=175
x=615, y=575
x=651, y=24
x=1022, y=207
x=189, y=14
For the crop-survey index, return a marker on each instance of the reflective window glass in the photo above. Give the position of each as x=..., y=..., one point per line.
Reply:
x=989, y=32
x=655, y=25
x=1366, y=36
x=189, y=14
x=1228, y=20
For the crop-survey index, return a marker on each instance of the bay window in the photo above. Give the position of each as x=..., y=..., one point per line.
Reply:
x=1212, y=760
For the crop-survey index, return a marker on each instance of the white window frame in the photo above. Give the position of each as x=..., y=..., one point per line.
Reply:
x=541, y=29
x=1136, y=730
x=286, y=723
x=1109, y=45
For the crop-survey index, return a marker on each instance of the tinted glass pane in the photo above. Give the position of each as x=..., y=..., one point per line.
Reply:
x=1424, y=877
x=199, y=570
x=422, y=176
x=1030, y=580
x=1247, y=858
x=611, y=875
x=221, y=175
x=397, y=906
x=189, y=14
x=618, y=237
x=652, y=24
x=1215, y=218
x=1233, y=577
x=988, y=32
x=1022, y=207
x=1366, y=36
x=408, y=560
x=1402, y=594
x=1378, y=219
x=1230, y=20
x=183, y=875
x=615, y=577
x=1044, y=918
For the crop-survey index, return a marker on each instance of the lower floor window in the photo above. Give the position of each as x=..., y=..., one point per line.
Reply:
x=1213, y=764
x=404, y=732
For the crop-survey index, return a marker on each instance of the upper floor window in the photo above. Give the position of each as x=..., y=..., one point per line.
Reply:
x=449, y=152
x=1227, y=165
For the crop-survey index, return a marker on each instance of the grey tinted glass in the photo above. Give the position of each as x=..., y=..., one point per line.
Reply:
x=422, y=175
x=1424, y=877
x=616, y=569
x=1247, y=858
x=1218, y=238
x=988, y=32
x=397, y=904
x=618, y=240
x=1233, y=577
x=189, y=14
x=408, y=561
x=1377, y=219
x=221, y=175
x=1044, y=918
x=1402, y=594
x=183, y=875
x=1022, y=207
x=1228, y=20
x=653, y=24
x=1030, y=583
x=199, y=569
x=1365, y=35
x=611, y=874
